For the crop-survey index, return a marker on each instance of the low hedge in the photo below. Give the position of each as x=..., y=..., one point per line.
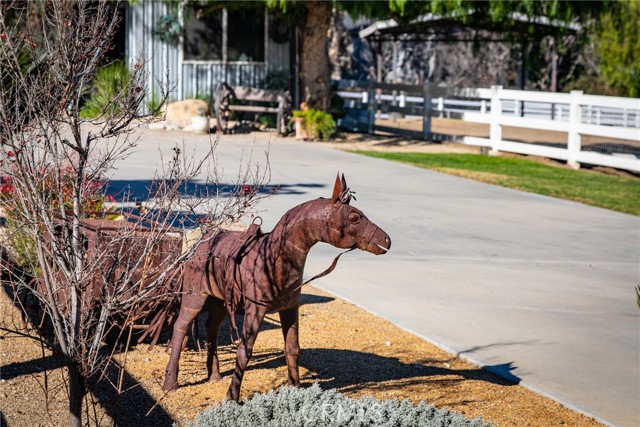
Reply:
x=312, y=406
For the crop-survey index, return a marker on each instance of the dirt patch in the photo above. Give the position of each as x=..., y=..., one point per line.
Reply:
x=343, y=346
x=488, y=177
x=358, y=141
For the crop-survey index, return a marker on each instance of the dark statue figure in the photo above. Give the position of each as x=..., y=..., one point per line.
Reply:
x=262, y=272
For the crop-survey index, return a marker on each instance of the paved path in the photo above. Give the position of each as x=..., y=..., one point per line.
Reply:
x=536, y=288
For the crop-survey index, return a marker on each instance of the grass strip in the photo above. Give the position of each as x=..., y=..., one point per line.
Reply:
x=617, y=193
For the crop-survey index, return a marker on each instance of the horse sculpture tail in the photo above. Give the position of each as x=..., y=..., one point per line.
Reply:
x=165, y=310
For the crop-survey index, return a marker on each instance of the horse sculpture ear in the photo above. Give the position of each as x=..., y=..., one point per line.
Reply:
x=340, y=191
x=338, y=188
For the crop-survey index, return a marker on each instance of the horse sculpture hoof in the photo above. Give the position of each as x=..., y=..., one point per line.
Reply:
x=230, y=397
x=214, y=378
x=169, y=386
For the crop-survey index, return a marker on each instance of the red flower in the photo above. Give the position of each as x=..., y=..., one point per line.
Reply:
x=6, y=186
x=3, y=36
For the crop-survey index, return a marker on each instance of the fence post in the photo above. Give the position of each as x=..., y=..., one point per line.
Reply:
x=371, y=109
x=573, y=138
x=495, y=128
x=426, y=111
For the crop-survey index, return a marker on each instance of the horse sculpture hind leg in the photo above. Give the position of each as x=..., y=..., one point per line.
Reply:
x=217, y=313
x=191, y=305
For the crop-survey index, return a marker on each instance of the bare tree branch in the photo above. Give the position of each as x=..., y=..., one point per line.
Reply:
x=88, y=272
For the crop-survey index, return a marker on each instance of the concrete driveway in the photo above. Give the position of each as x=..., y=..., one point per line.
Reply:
x=537, y=289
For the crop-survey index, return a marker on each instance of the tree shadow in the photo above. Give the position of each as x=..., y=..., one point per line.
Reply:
x=502, y=370
x=314, y=299
x=31, y=367
x=197, y=337
x=143, y=189
x=352, y=370
x=103, y=392
x=148, y=412
x=243, y=125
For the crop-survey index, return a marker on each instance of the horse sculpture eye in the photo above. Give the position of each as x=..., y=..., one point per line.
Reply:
x=354, y=218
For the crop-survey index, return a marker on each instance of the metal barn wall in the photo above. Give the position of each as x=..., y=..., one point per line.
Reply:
x=161, y=59
x=188, y=79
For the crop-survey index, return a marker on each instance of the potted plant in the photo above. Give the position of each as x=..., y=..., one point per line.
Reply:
x=313, y=124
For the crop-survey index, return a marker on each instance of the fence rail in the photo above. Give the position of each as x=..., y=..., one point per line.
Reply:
x=574, y=113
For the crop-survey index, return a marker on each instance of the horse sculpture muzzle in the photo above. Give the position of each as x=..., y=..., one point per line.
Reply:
x=379, y=243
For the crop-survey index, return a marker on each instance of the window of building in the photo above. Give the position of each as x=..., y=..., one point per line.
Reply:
x=203, y=37
x=242, y=30
x=245, y=35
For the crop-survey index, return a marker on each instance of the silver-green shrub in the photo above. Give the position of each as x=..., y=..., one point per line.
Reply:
x=312, y=407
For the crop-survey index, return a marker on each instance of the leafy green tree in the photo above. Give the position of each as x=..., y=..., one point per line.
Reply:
x=618, y=45
x=314, y=17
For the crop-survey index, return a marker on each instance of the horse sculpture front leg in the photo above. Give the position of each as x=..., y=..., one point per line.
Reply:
x=289, y=322
x=253, y=316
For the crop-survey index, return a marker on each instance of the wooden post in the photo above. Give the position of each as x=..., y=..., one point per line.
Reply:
x=495, y=134
x=440, y=106
x=574, y=143
x=426, y=111
x=371, y=109
x=280, y=120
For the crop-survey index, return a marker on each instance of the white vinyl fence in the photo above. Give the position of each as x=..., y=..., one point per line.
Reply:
x=575, y=113
x=575, y=103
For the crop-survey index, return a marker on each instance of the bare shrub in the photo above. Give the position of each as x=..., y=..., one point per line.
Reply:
x=87, y=274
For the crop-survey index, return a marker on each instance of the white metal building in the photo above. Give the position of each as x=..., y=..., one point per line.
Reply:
x=196, y=50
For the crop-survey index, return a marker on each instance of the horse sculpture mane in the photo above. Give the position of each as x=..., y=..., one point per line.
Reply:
x=262, y=272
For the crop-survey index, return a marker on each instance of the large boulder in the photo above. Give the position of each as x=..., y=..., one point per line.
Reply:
x=180, y=116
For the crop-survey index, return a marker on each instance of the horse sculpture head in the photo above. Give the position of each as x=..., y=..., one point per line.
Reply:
x=348, y=227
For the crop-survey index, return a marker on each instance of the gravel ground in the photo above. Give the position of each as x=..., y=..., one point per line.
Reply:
x=343, y=347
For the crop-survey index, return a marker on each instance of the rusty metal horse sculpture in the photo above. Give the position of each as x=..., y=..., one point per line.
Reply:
x=263, y=273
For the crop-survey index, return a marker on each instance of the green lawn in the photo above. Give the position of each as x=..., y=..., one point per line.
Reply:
x=607, y=191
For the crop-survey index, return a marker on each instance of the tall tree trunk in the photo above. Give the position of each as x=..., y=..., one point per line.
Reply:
x=314, y=72
x=337, y=33
x=77, y=391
